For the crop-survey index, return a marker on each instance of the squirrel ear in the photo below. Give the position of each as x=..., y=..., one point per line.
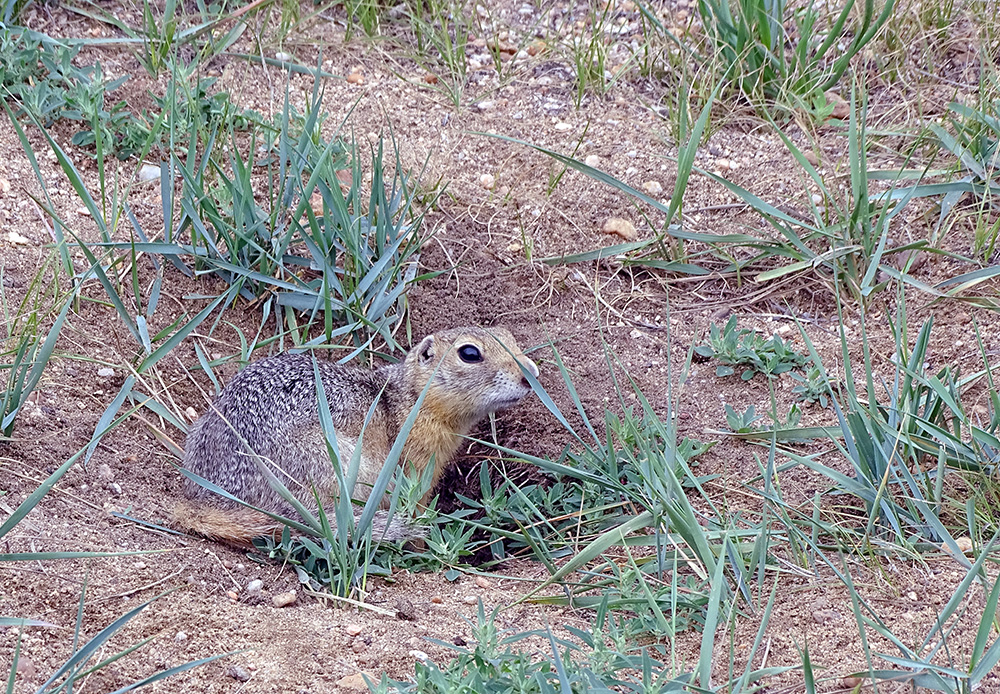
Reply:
x=425, y=350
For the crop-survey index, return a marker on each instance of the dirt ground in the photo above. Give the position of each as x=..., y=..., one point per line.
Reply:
x=649, y=319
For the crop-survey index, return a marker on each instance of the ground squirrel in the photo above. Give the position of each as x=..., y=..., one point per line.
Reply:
x=272, y=406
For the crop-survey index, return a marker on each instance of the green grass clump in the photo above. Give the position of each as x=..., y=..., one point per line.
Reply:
x=26, y=346
x=593, y=660
x=777, y=51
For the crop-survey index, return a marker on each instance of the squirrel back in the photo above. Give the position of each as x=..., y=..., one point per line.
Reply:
x=271, y=408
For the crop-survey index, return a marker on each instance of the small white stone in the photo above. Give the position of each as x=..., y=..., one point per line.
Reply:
x=18, y=239
x=106, y=372
x=255, y=586
x=283, y=57
x=817, y=198
x=191, y=414
x=653, y=187
x=487, y=181
x=419, y=655
x=563, y=127
x=593, y=161
x=181, y=637
x=149, y=172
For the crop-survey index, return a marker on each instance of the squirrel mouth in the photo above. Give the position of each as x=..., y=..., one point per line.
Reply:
x=508, y=401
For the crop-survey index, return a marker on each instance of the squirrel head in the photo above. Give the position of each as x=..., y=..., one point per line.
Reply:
x=475, y=371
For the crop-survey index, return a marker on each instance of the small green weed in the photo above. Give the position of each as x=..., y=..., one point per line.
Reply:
x=40, y=74
x=589, y=52
x=743, y=422
x=735, y=348
x=813, y=386
x=441, y=31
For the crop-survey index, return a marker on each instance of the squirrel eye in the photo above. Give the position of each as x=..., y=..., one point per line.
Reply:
x=470, y=354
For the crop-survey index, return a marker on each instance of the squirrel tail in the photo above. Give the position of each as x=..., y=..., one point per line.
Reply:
x=239, y=526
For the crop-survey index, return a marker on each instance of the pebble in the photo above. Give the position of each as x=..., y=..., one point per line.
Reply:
x=104, y=472
x=255, y=586
x=4, y=186
x=593, y=161
x=487, y=181
x=912, y=596
x=83, y=211
x=18, y=239
x=353, y=629
x=851, y=683
x=723, y=164
x=356, y=76
x=106, y=372
x=964, y=543
x=653, y=187
x=621, y=227
x=483, y=106
x=824, y=616
x=419, y=655
x=817, y=198
x=283, y=57
x=26, y=668
x=811, y=157
x=404, y=610
x=470, y=600
x=240, y=674
x=285, y=599
x=356, y=681
x=115, y=488
x=232, y=595
x=841, y=109
x=191, y=413
x=437, y=600
x=483, y=583
x=149, y=172
x=181, y=637
x=563, y=127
